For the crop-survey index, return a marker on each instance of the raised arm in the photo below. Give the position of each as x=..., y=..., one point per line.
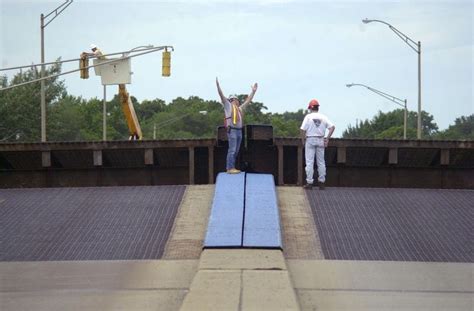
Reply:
x=221, y=94
x=250, y=97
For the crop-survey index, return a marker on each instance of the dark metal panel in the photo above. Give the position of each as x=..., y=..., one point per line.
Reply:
x=123, y=157
x=72, y=158
x=109, y=223
x=361, y=177
x=71, y=178
x=221, y=135
x=330, y=155
x=4, y=164
x=416, y=178
x=419, y=157
x=201, y=168
x=290, y=165
x=124, y=177
x=394, y=224
x=366, y=156
x=24, y=160
x=461, y=158
x=169, y=176
x=259, y=132
x=261, y=157
x=22, y=179
x=458, y=178
x=173, y=157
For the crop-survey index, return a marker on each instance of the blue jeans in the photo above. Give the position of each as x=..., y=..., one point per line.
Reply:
x=235, y=139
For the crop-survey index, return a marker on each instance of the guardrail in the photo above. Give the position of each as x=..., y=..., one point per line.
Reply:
x=350, y=162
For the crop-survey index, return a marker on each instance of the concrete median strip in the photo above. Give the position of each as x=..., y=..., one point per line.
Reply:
x=189, y=228
x=300, y=235
x=241, y=279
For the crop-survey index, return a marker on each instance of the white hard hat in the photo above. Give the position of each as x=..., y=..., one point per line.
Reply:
x=93, y=46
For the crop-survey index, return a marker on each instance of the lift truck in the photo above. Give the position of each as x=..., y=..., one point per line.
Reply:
x=119, y=72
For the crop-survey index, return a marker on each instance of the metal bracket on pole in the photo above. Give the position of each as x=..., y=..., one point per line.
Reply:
x=396, y=100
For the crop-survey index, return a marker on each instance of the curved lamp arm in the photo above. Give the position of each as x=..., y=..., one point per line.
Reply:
x=412, y=44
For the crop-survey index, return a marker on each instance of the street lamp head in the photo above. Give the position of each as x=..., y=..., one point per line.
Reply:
x=366, y=21
x=349, y=85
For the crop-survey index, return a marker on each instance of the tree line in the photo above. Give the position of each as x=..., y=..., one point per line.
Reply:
x=72, y=118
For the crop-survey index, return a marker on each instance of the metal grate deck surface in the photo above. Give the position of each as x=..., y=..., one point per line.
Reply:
x=109, y=223
x=394, y=224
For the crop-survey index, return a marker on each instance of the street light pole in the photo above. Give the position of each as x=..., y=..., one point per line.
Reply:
x=396, y=100
x=104, y=112
x=416, y=46
x=43, y=95
x=43, y=17
x=418, y=128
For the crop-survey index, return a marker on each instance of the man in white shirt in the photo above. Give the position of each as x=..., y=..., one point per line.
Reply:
x=313, y=130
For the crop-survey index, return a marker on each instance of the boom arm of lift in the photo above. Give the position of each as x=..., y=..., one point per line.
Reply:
x=130, y=115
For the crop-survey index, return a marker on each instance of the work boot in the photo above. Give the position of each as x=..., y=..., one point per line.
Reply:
x=233, y=171
x=308, y=186
x=321, y=186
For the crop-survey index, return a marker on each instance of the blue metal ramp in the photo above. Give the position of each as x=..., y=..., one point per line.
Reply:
x=226, y=218
x=262, y=220
x=244, y=213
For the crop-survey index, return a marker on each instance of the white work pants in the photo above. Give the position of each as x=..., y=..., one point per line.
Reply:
x=315, y=146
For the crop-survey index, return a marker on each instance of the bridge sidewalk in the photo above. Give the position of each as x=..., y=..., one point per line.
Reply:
x=95, y=285
x=341, y=285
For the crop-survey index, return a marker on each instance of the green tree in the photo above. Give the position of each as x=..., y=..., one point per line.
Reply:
x=254, y=113
x=463, y=128
x=184, y=118
x=390, y=125
x=20, y=107
x=147, y=108
x=91, y=116
x=117, y=128
x=283, y=127
x=66, y=120
x=287, y=124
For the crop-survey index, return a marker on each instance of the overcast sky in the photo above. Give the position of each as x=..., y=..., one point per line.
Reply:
x=295, y=50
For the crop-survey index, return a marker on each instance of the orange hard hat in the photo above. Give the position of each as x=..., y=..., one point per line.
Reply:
x=313, y=103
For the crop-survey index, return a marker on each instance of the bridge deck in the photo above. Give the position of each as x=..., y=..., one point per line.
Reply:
x=109, y=223
x=394, y=224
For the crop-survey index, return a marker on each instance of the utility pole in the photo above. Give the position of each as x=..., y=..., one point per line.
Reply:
x=43, y=18
x=104, y=112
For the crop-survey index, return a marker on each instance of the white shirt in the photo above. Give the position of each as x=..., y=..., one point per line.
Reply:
x=98, y=53
x=315, y=124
